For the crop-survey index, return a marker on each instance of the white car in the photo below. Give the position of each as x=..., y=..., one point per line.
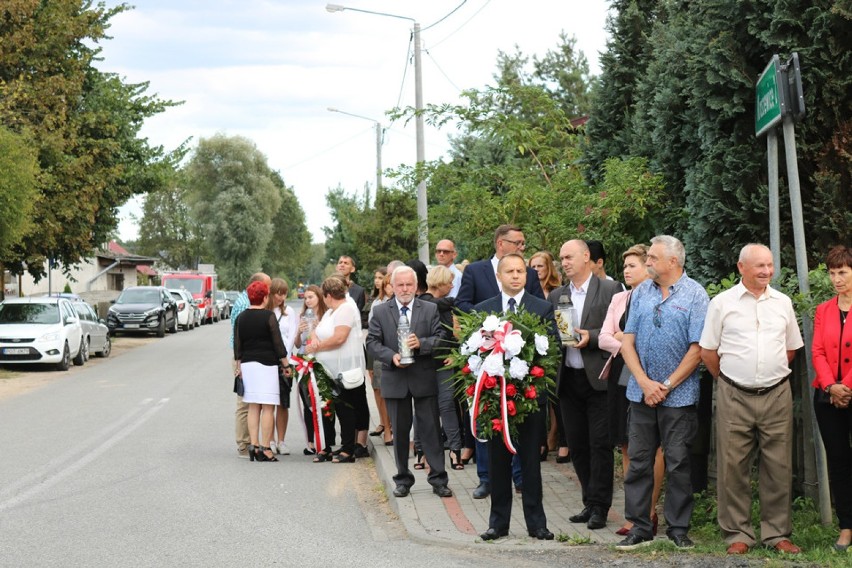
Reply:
x=187, y=310
x=40, y=330
x=95, y=331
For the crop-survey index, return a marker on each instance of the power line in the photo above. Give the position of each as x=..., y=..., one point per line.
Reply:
x=466, y=22
x=445, y=17
x=450, y=81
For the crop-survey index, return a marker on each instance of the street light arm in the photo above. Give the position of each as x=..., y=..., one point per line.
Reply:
x=338, y=8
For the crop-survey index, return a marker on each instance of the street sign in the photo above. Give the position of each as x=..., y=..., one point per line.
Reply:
x=770, y=99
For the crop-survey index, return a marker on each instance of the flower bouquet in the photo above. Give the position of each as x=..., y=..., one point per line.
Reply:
x=504, y=363
x=322, y=391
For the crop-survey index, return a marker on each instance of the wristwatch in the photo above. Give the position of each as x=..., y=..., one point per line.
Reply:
x=668, y=384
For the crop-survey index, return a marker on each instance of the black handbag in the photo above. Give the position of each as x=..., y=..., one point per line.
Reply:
x=238, y=385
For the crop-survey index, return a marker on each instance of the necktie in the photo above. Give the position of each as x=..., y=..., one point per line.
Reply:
x=404, y=310
x=511, y=305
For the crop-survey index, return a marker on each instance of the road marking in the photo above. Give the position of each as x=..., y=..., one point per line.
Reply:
x=102, y=446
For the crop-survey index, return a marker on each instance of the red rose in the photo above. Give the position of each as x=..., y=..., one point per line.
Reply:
x=510, y=408
x=484, y=407
x=530, y=392
x=470, y=390
x=466, y=369
x=537, y=372
x=327, y=414
x=497, y=425
x=511, y=390
x=489, y=382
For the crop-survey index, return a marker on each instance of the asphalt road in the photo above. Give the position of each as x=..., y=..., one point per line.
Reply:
x=132, y=462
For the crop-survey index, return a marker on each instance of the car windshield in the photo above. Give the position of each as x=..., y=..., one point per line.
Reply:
x=29, y=313
x=139, y=297
x=220, y=296
x=191, y=285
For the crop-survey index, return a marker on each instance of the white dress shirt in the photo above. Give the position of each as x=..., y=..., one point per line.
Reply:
x=573, y=358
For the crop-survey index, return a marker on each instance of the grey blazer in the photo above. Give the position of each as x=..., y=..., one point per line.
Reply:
x=598, y=297
x=419, y=378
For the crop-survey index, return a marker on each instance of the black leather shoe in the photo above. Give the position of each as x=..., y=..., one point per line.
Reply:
x=361, y=451
x=583, y=517
x=597, y=520
x=442, y=491
x=401, y=491
x=541, y=534
x=482, y=491
x=493, y=534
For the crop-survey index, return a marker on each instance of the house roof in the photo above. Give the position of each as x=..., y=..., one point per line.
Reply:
x=115, y=251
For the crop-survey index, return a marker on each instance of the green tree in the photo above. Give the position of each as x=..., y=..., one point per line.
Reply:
x=289, y=251
x=18, y=189
x=83, y=123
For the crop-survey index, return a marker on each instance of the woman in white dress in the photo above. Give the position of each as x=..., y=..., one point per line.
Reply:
x=259, y=352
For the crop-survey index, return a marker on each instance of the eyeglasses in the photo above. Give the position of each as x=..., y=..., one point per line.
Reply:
x=519, y=244
x=444, y=251
x=658, y=309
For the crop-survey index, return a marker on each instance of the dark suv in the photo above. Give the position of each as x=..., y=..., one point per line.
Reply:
x=143, y=309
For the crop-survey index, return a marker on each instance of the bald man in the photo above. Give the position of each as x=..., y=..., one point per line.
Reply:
x=445, y=255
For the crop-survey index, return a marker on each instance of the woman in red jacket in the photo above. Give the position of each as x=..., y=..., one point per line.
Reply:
x=832, y=359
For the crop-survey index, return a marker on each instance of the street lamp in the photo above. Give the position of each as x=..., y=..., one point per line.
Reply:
x=422, y=218
x=378, y=145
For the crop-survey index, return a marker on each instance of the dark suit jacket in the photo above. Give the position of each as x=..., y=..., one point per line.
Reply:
x=357, y=293
x=479, y=284
x=598, y=297
x=419, y=378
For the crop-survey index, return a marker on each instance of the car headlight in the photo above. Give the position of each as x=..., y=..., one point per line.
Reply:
x=113, y=311
x=153, y=312
x=52, y=336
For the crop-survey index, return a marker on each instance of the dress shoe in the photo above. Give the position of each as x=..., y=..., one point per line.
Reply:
x=682, y=541
x=634, y=541
x=597, y=519
x=401, y=491
x=361, y=451
x=482, y=490
x=493, y=534
x=583, y=517
x=541, y=533
x=787, y=547
x=442, y=491
x=738, y=548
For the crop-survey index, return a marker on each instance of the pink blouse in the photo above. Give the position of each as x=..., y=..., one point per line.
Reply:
x=606, y=339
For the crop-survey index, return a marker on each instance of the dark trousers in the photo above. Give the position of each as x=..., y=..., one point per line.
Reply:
x=500, y=466
x=428, y=430
x=648, y=429
x=327, y=422
x=835, y=427
x=357, y=397
x=585, y=413
x=344, y=407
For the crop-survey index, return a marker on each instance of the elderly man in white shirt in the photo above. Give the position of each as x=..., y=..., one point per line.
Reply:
x=750, y=337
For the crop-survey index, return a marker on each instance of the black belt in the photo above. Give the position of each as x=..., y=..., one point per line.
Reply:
x=749, y=390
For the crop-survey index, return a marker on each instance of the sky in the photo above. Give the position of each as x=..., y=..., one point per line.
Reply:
x=269, y=70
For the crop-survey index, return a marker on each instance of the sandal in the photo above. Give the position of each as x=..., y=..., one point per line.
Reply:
x=378, y=431
x=323, y=457
x=343, y=458
x=419, y=463
x=457, y=464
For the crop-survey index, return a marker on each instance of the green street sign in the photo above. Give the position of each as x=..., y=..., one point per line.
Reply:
x=769, y=100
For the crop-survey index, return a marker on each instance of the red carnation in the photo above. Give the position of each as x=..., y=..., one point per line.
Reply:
x=470, y=390
x=510, y=408
x=489, y=382
x=497, y=425
x=537, y=372
x=530, y=392
x=466, y=369
x=511, y=390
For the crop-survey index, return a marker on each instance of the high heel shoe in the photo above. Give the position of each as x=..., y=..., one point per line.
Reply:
x=466, y=460
x=457, y=464
x=263, y=456
x=251, y=452
x=543, y=455
x=418, y=464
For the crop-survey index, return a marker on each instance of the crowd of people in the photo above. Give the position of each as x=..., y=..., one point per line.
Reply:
x=629, y=382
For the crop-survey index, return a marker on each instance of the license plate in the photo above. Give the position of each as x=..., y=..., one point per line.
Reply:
x=16, y=351
x=131, y=326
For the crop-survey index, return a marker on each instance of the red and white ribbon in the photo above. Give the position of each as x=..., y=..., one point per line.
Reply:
x=307, y=366
x=504, y=413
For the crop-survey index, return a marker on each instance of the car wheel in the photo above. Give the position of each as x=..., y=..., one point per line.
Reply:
x=161, y=328
x=107, y=348
x=82, y=354
x=174, y=327
x=66, y=359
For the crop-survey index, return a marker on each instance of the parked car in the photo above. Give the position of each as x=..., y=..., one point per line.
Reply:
x=40, y=330
x=223, y=304
x=95, y=331
x=188, y=312
x=143, y=309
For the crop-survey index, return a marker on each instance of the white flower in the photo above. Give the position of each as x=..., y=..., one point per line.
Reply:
x=493, y=365
x=518, y=368
x=513, y=343
x=474, y=362
x=491, y=323
x=541, y=344
x=473, y=343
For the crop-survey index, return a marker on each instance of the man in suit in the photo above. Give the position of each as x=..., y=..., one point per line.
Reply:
x=582, y=395
x=479, y=283
x=346, y=267
x=512, y=275
x=417, y=382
